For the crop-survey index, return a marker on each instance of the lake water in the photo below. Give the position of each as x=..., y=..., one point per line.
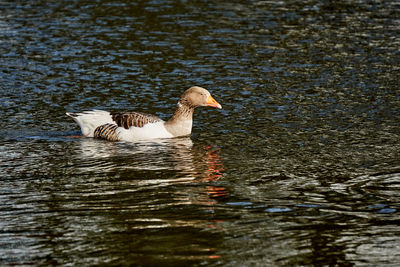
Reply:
x=301, y=167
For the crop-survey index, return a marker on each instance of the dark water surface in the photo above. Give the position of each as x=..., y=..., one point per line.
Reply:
x=301, y=167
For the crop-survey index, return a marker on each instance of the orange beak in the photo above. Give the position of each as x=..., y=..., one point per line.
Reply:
x=212, y=102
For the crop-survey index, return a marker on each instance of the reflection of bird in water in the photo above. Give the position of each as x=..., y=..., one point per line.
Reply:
x=134, y=126
x=176, y=154
x=168, y=183
x=214, y=164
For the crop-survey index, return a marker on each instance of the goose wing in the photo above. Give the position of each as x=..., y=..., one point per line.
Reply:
x=135, y=119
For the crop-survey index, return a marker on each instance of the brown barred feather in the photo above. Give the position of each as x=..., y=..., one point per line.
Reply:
x=106, y=131
x=135, y=119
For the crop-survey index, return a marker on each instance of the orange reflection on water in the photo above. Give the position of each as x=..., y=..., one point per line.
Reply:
x=216, y=191
x=214, y=256
x=215, y=167
x=214, y=171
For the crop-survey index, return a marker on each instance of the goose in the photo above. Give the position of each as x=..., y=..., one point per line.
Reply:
x=135, y=126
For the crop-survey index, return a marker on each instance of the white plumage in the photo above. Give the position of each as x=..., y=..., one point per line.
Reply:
x=90, y=120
